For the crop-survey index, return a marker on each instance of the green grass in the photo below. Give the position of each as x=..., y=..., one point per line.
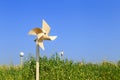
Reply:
x=56, y=69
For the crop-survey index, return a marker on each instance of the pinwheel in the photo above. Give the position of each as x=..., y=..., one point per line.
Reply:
x=42, y=34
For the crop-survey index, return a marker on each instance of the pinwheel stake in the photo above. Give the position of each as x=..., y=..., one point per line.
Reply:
x=42, y=34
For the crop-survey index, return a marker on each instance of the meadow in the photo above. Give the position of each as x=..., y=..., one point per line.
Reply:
x=56, y=69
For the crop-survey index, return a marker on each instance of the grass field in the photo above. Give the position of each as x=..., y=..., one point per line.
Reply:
x=55, y=69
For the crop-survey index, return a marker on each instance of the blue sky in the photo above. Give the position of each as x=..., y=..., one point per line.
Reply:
x=87, y=29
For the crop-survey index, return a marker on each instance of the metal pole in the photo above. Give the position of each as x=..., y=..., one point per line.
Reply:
x=37, y=62
x=21, y=58
x=21, y=62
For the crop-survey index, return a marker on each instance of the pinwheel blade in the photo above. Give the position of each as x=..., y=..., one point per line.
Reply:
x=41, y=45
x=45, y=27
x=35, y=31
x=52, y=37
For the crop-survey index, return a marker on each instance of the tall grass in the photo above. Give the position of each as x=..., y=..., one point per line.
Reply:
x=55, y=69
